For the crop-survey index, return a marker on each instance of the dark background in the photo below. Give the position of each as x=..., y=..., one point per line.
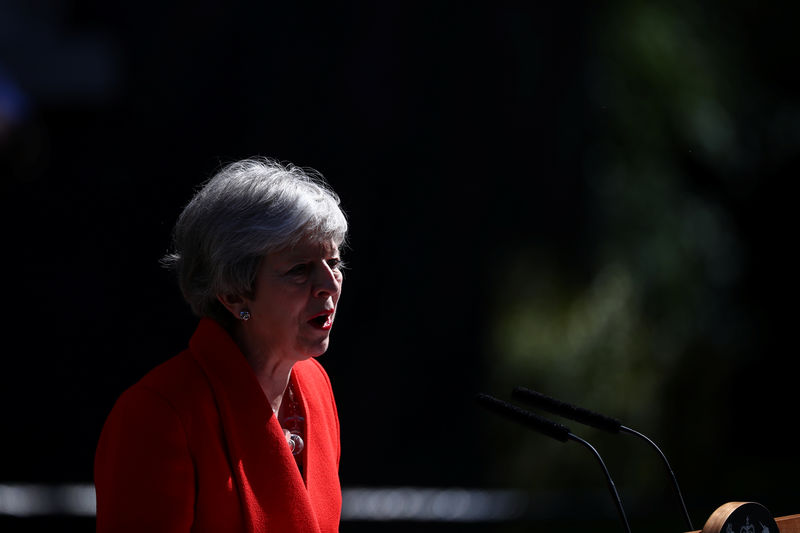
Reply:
x=495, y=160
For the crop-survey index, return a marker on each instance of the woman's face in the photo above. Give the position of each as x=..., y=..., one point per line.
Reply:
x=294, y=302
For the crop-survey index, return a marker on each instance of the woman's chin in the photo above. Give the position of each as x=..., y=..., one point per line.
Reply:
x=318, y=348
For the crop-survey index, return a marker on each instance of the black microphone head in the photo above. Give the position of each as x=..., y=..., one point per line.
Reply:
x=573, y=412
x=533, y=421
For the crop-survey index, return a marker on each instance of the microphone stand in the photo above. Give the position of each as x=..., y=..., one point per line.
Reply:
x=553, y=430
x=611, y=486
x=630, y=431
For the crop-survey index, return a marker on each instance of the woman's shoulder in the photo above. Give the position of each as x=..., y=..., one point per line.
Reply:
x=178, y=382
x=180, y=370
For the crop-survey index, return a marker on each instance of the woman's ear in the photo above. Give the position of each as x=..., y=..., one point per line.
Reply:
x=234, y=303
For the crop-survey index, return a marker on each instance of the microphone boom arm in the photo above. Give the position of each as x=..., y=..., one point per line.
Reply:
x=625, y=429
x=611, y=486
x=554, y=430
x=599, y=421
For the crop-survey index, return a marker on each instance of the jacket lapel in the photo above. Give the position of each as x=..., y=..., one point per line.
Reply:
x=273, y=495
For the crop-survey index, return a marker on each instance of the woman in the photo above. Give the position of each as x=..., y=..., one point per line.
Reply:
x=240, y=431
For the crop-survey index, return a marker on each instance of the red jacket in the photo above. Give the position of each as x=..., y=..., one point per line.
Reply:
x=194, y=446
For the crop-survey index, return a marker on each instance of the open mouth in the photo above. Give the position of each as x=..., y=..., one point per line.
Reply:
x=322, y=321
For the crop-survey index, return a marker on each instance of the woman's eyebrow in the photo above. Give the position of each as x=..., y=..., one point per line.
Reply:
x=309, y=258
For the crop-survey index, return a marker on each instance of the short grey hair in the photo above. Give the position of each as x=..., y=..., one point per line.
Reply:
x=245, y=211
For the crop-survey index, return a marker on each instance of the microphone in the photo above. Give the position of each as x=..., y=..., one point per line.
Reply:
x=599, y=421
x=554, y=430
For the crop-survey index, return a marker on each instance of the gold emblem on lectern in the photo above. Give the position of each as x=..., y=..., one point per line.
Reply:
x=728, y=519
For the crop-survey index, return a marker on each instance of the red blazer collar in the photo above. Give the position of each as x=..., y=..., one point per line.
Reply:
x=272, y=491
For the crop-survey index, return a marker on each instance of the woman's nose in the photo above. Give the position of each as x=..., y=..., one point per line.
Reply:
x=326, y=282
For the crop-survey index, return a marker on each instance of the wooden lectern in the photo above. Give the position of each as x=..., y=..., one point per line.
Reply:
x=748, y=517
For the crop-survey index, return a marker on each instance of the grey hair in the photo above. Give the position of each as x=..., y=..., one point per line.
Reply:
x=245, y=211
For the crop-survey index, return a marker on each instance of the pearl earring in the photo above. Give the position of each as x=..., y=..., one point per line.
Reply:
x=244, y=314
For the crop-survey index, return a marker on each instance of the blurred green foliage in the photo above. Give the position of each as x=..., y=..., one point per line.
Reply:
x=682, y=129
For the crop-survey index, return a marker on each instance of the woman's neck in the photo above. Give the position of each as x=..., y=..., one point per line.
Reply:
x=273, y=380
x=272, y=371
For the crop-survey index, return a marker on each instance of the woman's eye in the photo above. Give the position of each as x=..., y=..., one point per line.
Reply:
x=335, y=264
x=298, y=270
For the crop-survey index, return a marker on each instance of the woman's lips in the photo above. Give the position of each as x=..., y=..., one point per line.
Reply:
x=322, y=321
